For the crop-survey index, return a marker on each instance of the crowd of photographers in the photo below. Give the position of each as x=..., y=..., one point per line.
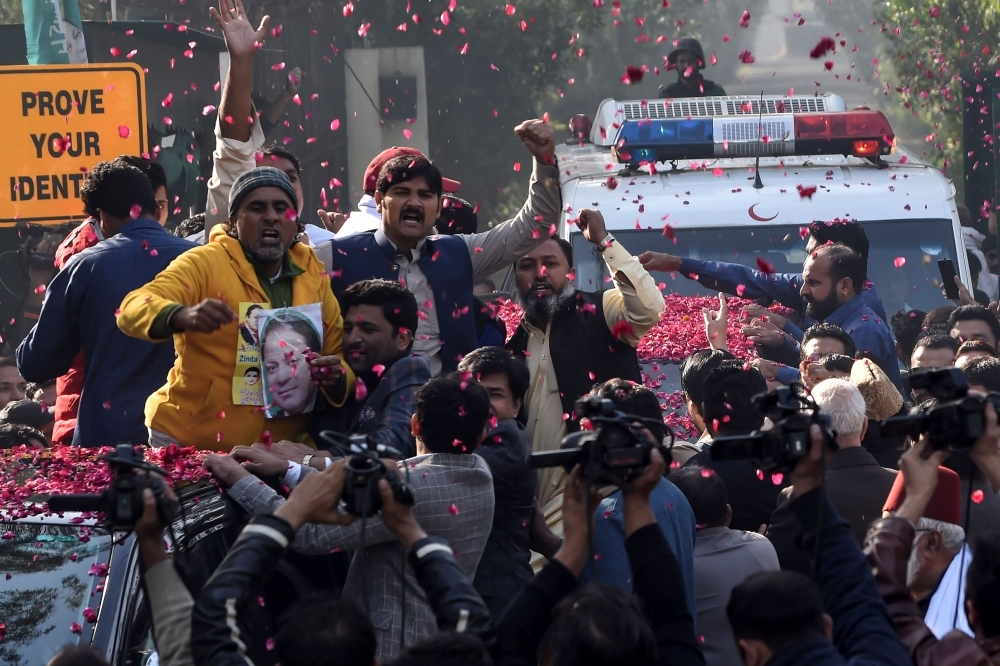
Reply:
x=423, y=486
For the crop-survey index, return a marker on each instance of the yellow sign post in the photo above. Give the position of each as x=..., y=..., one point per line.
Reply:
x=59, y=121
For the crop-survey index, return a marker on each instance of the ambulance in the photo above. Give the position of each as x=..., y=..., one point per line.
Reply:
x=737, y=179
x=680, y=177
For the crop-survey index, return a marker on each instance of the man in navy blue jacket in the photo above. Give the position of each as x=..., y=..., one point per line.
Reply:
x=80, y=307
x=780, y=618
x=440, y=270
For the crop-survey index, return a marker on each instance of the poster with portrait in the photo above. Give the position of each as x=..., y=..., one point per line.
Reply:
x=248, y=388
x=286, y=338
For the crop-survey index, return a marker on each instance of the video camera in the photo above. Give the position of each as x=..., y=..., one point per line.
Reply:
x=122, y=501
x=955, y=422
x=792, y=413
x=364, y=469
x=613, y=452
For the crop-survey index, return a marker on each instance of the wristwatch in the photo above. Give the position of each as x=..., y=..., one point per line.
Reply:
x=606, y=242
x=308, y=457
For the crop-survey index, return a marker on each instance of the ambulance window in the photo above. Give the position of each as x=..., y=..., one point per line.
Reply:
x=914, y=284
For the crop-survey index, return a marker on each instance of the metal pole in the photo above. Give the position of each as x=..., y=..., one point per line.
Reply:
x=114, y=10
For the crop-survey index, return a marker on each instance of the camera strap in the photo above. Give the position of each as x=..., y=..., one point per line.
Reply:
x=967, y=521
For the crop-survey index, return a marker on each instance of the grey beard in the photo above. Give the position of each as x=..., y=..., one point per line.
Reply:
x=266, y=255
x=543, y=308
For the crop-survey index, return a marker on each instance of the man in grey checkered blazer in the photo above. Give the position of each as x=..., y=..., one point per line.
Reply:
x=453, y=489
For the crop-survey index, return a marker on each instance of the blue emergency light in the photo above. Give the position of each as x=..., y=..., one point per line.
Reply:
x=860, y=133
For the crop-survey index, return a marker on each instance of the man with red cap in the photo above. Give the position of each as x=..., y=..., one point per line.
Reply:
x=939, y=557
x=926, y=496
x=367, y=217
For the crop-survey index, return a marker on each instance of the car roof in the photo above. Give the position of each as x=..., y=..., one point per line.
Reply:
x=66, y=518
x=720, y=192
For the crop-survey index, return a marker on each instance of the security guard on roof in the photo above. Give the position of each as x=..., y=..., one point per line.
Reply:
x=689, y=59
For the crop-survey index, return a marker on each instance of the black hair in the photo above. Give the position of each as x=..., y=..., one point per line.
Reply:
x=566, y=247
x=115, y=187
x=984, y=371
x=458, y=216
x=78, y=655
x=728, y=402
x=18, y=434
x=277, y=151
x=445, y=648
x=938, y=315
x=989, y=243
x=157, y=176
x=452, y=413
x=779, y=608
x=824, y=330
x=975, y=312
x=323, y=630
x=937, y=341
x=694, y=371
x=399, y=306
x=975, y=266
x=982, y=586
x=8, y=362
x=970, y=346
x=487, y=361
x=705, y=492
x=842, y=232
x=297, y=324
x=598, y=625
x=252, y=368
x=906, y=328
x=837, y=362
x=407, y=167
x=845, y=263
x=635, y=399
x=190, y=226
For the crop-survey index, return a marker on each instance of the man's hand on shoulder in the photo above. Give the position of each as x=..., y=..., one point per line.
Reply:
x=539, y=138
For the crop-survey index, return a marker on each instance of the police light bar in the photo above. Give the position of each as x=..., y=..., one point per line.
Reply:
x=860, y=133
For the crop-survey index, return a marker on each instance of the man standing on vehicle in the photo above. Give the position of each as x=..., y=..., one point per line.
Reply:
x=688, y=59
x=441, y=270
x=571, y=339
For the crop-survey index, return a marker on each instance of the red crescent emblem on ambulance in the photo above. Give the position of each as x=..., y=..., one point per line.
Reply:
x=758, y=217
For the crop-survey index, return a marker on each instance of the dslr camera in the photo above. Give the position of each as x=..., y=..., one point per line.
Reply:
x=121, y=502
x=792, y=413
x=613, y=452
x=955, y=422
x=364, y=469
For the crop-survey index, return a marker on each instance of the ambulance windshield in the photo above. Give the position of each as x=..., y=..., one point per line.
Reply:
x=910, y=284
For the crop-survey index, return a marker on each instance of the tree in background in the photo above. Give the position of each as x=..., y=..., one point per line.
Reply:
x=937, y=50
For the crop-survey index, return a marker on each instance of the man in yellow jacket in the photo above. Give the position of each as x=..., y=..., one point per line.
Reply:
x=211, y=300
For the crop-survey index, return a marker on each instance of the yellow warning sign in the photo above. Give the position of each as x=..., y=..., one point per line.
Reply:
x=59, y=121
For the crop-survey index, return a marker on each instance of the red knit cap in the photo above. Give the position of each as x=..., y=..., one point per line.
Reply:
x=945, y=505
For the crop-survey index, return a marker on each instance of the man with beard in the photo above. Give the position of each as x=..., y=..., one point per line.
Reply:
x=253, y=259
x=688, y=58
x=831, y=288
x=572, y=340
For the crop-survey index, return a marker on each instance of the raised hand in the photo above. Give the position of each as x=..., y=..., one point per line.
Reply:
x=539, y=138
x=716, y=324
x=242, y=40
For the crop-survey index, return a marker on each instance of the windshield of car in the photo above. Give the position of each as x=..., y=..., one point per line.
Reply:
x=902, y=261
x=52, y=573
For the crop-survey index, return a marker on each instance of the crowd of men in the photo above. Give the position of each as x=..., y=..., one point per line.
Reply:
x=267, y=340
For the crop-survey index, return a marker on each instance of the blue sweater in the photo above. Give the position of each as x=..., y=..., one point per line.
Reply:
x=79, y=312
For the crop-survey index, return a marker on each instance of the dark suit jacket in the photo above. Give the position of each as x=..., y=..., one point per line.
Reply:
x=856, y=486
x=752, y=496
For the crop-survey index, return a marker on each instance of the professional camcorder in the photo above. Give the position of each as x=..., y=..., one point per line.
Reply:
x=122, y=501
x=955, y=422
x=612, y=452
x=364, y=469
x=792, y=412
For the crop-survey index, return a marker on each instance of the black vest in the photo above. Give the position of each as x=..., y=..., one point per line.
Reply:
x=584, y=352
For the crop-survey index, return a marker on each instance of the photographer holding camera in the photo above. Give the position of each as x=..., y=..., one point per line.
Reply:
x=454, y=500
x=596, y=625
x=889, y=544
x=780, y=618
x=322, y=630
